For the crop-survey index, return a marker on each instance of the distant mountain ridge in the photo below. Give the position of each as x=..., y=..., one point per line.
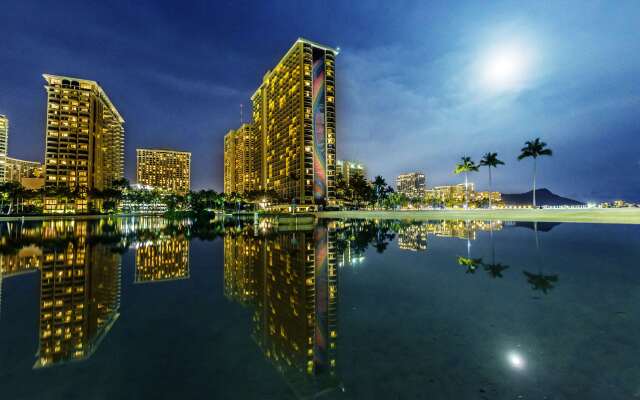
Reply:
x=544, y=197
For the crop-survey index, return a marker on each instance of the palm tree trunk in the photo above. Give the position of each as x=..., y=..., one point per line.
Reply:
x=535, y=167
x=493, y=246
x=490, y=187
x=466, y=190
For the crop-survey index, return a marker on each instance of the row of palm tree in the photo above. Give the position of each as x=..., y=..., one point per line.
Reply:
x=532, y=149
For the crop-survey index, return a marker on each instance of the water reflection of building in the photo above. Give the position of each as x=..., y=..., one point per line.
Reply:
x=242, y=254
x=349, y=256
x=414, y=236
x=79, y=265
x=27, y=259
x=290, y=280
x=162, y=259
x=79, y=300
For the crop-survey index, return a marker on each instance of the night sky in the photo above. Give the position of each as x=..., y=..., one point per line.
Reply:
x=419, y=84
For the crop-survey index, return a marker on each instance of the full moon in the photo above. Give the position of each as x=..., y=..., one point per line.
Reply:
x=515, y=360
x=506, y=67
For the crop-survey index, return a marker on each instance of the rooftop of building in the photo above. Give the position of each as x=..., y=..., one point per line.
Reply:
x=18, y=160
x=160, y=150
x=408, y=174
x=95, y=84
x=336, y=51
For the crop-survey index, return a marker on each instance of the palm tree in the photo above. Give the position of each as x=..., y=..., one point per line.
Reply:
x=380, y=189
x=465, y=166
x=490, y=160
x=534, y=149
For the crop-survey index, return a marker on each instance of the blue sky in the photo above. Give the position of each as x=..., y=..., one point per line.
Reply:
x=420, y=84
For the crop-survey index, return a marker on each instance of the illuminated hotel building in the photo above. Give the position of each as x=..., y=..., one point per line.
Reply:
x=30, y=174
x=348, y=169
x=164, y=259
x=167, y=170
x=294, y=120
x=240, y=172
x=79, y=300
x=413, y=184
x=4, y=145
x=290, y=279
x=84, y=140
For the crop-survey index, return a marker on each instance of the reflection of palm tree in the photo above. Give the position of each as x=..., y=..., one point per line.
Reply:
x=534, y=149
x=495, y=269
x=465, y=166
x=540, y=281
x=471, y=263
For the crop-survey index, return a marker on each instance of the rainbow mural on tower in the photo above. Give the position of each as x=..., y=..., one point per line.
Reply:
x=319, y=131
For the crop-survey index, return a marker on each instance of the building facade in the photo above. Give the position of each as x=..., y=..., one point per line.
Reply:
x=294, y=128
x=453, y=193
x=346, y=170
x=456, y=195
x=84, y=141
x=4, y=146
x=167, y=170
x=30, y=174
x=413, y=184
x=240, y=172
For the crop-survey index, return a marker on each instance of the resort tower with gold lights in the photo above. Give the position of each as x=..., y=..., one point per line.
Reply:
x=84, y=142
x=164, y=169
x=4, y=144
x=294, y=128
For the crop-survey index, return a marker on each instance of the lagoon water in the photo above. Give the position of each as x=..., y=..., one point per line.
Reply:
x=149, y=308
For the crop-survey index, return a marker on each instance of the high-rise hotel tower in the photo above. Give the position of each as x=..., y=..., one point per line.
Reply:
x=240, y=151
x=294, y=127
x=84, y=141
x=4, y=145
x=163, y=169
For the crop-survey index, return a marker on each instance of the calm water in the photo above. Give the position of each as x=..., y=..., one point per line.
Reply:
x=144, y=308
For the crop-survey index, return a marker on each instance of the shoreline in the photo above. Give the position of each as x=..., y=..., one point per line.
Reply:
x=596, y=216
x=72, y=217
x=629, y=216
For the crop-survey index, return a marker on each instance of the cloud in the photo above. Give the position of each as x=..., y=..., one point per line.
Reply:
x=188, y=85
x=408, y=108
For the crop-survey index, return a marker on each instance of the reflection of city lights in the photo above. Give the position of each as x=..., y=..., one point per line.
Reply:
x=515, y=360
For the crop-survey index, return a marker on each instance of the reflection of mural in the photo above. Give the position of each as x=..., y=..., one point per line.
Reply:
x=290, y=281
x=319, y=131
